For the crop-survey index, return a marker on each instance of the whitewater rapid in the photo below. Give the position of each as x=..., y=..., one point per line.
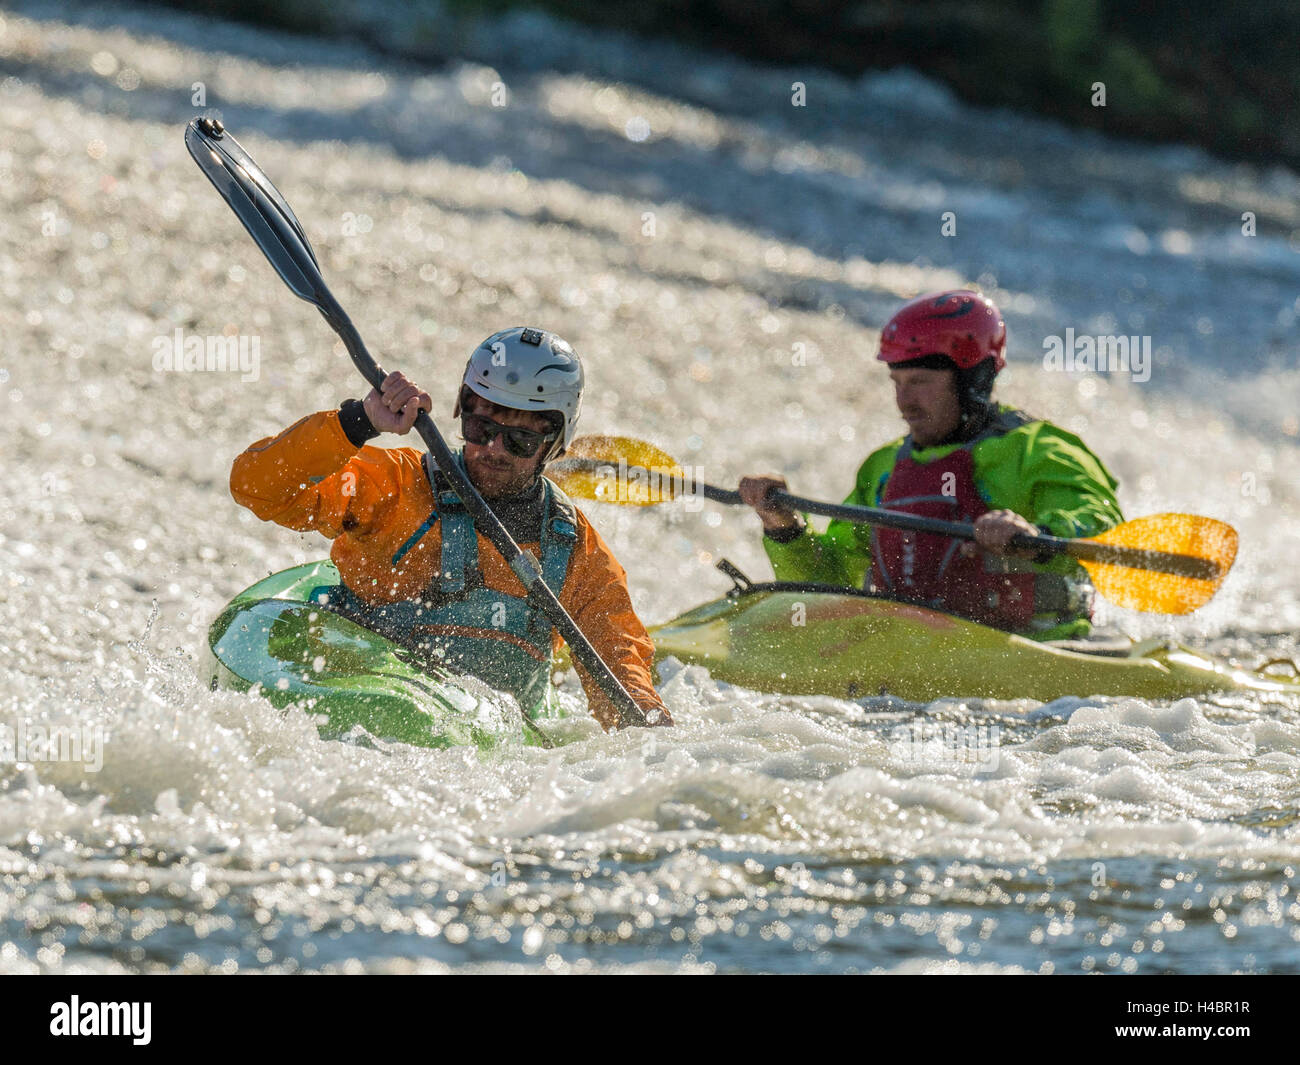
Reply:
x=722, y=261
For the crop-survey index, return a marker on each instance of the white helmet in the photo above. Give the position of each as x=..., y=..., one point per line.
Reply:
x=528, y=369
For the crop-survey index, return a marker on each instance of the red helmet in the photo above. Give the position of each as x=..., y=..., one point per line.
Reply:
x=960, y=324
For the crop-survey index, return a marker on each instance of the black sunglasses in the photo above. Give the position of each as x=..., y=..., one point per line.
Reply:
x=523, y=443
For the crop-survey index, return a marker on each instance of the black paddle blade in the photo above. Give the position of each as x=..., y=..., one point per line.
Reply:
x=268, y=218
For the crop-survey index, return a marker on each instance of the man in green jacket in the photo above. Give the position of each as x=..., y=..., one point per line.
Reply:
x=965, y=458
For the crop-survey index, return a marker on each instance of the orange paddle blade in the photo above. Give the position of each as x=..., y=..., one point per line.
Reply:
x=619, y=469
x=1164, y=593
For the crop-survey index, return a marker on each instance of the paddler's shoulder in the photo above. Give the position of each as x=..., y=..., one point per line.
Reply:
x=1039, y=448
x=1028, y=433
x=590, y=551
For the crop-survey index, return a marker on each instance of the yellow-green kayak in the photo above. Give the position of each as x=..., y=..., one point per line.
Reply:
x=818, y=640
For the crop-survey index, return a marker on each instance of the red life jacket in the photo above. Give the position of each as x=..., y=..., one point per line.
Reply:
x=931, y=570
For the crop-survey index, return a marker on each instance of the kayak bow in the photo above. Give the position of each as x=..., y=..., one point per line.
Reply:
x=820, y=640
x=280, y=637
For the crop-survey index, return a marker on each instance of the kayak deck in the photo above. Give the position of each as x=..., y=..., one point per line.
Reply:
x=279, y=637
x=817, y=640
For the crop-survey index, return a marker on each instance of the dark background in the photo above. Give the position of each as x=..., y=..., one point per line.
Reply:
x=1224, y=76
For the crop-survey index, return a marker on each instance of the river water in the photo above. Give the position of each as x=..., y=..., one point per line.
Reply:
x=722, y=259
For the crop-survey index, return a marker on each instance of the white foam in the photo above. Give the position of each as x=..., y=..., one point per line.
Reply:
x=115, y=489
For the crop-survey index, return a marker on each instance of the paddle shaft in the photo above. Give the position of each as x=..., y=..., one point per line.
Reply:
x=524, y=566
x=1087, y=550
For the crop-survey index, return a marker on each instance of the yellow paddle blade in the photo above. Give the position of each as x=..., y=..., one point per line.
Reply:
x=1164, y=593
x=619, y=469
x=627, y=449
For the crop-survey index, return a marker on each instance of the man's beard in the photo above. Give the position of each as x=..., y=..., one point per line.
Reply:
x=500, y=482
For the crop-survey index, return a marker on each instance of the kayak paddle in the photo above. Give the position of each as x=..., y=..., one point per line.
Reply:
x=1164, y=563
x=272, y=224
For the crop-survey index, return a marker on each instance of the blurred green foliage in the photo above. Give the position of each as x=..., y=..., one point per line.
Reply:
x=1224, y=76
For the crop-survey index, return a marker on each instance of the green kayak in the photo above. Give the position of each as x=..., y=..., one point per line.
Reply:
x=804, y=639
x=279, y=637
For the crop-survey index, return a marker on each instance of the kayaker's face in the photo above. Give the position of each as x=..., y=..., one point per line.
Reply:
x=927, y=400
x=494, y=471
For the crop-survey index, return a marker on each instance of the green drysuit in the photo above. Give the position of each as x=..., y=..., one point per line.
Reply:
x=1038, y=470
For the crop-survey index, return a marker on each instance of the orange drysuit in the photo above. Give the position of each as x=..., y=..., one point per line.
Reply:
x=370, y=501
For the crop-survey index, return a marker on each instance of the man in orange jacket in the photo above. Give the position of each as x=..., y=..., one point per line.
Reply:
x=413, y=565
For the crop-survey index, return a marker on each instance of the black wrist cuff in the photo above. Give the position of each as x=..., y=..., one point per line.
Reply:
x=785, y=536
x=355, y=422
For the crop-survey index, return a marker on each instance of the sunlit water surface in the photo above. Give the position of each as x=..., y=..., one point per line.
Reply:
x=765, y=833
